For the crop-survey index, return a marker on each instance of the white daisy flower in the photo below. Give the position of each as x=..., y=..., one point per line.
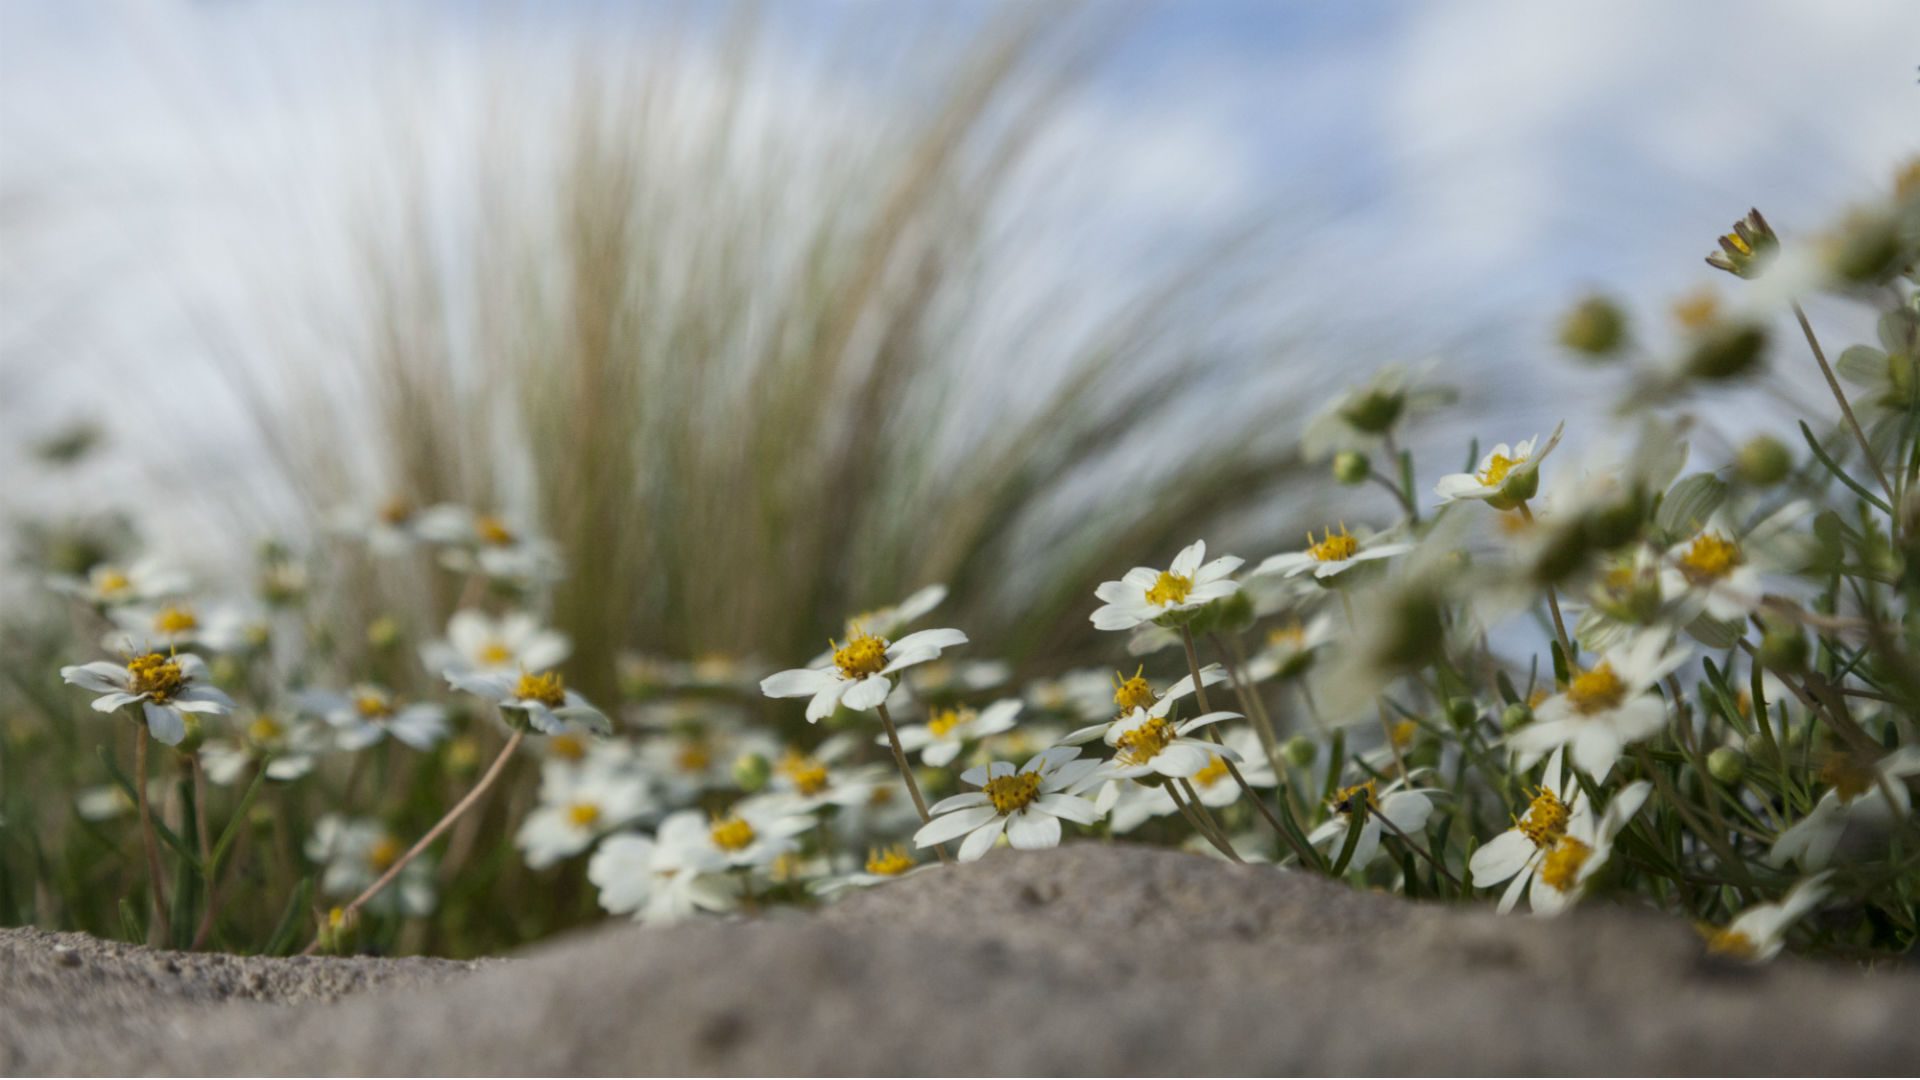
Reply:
x=355, y=852
x=1081, y=694
x=1148, y=743
x=165, y=687
x=1720, y=569
x=392, y=528
x=489, y=545
x=810, y=781
x=1564, y=872
x=659, y=883
x=1361, y=415
x=1136, y=692
x=288, y=748
x=1332, y=554
x=692, y=758
x=947, y=731
x=1758, y=933
x=541, y=696
x=1507, y=477
x=1025, y=803
x=578, y=805
x=1289, y=648
x=367, y=713
x=110, y=585
x=858, y=673
x=477, y=642
x=1146, y=594
x=1129, y=805
x=883, y=865
x=223, y=628
x=1604, y=708
x=753, y=833
x=1406, y=808
x=1867, y=793
x=1538, y=845
x=888, y=622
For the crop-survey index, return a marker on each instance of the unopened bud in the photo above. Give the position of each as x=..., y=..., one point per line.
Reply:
x=1596, y=326
x=1726, y=764
x=1376, y=411
x=751, y=772
x=1462, y=712
x=463, y=755
x=1300, y=751
x=1236, y=612
x=1764, y=462
x=196, y=734
x=1351, y=467
x=1783, y=647
x=384, y=632
x=1516, y=716
x=1727, y=352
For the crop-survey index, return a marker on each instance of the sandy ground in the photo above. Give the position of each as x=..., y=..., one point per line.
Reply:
x=1088, y=959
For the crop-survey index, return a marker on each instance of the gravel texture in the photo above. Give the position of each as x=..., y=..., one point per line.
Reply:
x=1087, y=959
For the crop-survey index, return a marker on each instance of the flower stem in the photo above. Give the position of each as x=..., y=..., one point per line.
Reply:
x=1200, y=693
x=1211, y=836
x=1553, y=603
x=158, y=892
x=1420, y=851
x=906, y=773
x=459, y=808
x=1846, y=410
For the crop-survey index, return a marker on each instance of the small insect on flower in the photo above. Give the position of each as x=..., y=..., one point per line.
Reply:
x=1604, y=708
x=856, y=674
x=1332, y=554
x=1506, y=478
x=1027, y=804
x=478, y=642
x=1146, y=594
x=1757, y=934
x=165, y=686
x=541, y=697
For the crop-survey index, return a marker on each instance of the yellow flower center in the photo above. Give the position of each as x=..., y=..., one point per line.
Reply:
x=890, y=862
x=583, y=814
x=1010, y=793
x=1497, y=468
x=946, y=721
x=384, y=853
x=567, y=747
x=175, y=620
x=1597, y=690
x=731, y=834
x=1144, y=743
x=1546, y=820
x=110, y=582
x=809, y=777
x=396, y=510
x=1561, y=868
x=1850, y=775
x=1739, y=243
x=494, y=654
x=493, y=531
x=1215, y=771
x=1171, y=588
x=693, y=757
x=1343, y=800
x=1404, y=732
x=1291, y=636
x=1731, y=942
x=1697, y=310
x=263, y=729
x=545, y=687
x=372, y=704
x=1134, y=693
x=1334, y=548
x=156, y=676
x=861, y=656
x=881, y=796
x=1711, y=558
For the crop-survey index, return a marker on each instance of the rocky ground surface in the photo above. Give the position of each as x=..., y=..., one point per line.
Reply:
x=1088, y=959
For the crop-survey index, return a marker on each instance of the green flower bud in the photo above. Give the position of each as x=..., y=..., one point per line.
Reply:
x=463, y=755
x=384, y=632
x=1764, y=462
x=1236, y=612
x=1518, y=486
x=1375, y=412
x=1727, y=352
x=1350, y=467
x=1596, y=326
x=196, y=735
x=1300, y=751
x=1462, y=712
x=1726, y=764
x=1783, y=647
x=1516, y=716
x=1869, y=249
x=1416, y=630
x=751, y=772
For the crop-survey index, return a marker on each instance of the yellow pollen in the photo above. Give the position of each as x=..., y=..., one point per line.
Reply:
x=809, y=776
x=493, y=531
x=1215, y=771
x=1404, y=732
x=881, y=796
x=544, y=687
x=731, y=834
x=396, y=510
x=1731, y=942
x=1333, y=548
x=1497, y=468
x=1144, y=743
x=336, y=918
x=175, y=620
x=693, y=757
x=1171, y=588
x=1134, y=693
x=1711, y=558
x=1010, y=793
x=1546, y=820
x=1597, y=690
x=1740, y=244
x=567, y=747
x=1851, y=776
x=494, y=654
x=583, y=815
x=372, y=703
x=861, y=656
x=263, y=729
x=1343, y=800
x=110, y=582
x=890, y=862
x=1561, y=867
x=384, y=853
x=1292, y=636
x=1538, y=695
x=156, y=676
x=946, y=721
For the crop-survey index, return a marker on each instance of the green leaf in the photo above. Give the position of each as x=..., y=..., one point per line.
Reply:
x=232, y=831
x=282, y=938
x=1863, y=366
x=1690, y=504
x=159, y=827
x=1840, y=474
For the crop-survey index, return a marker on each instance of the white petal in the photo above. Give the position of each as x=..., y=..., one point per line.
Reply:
x=167, y=723
x=1030, y=828
x=948, y=826
x=798, y=682
x=980, y=840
